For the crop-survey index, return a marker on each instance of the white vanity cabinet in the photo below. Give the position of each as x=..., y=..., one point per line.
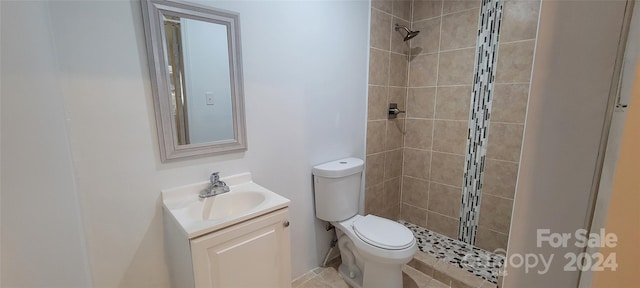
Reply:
x=255, y=253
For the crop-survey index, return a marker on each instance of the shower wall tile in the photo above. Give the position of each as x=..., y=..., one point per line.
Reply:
x=500, y=178
x=402, y=9
x=428, y=40
x=459, y=30
x=453, y=102
x=416, y=163
x=392, y=192
x=509, y=102
x=373, y=198
x=374, y=169
x=423, y=70
x=398, y=44
x=414, y=215
x=495, y=213
x=391, y=211
x=394, y=134
x=505, y=141
x=380, y=29
x=452, y=6
x=445, y=199
x=442, y=224
x=491, y=240
x=378, y=67
x=375, y=136
x=458, y=26
x=519, y=20
x=447, y=169
x=398, y=70
x=392, y=164
x=418, y=133
x=377, y=102
x=425, y=9
x=421, y=102
x=443, y=55
x=514, y=62
x=450, y=136
x=384, y=5
x=388, y=77
x=456, y=67
x=415, y=192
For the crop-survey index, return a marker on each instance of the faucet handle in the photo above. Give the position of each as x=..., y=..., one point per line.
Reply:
x=215, y=177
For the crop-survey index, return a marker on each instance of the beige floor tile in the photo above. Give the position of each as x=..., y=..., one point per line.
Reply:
x=316, y=282
x=328, y=277
x=332, y=277
x=298, y=282
x=318, y=270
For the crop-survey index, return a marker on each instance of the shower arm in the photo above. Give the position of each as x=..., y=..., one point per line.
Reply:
x=398, y=26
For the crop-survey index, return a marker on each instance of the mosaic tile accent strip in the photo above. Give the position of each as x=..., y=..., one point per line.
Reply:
x=474, y=260
x=484, y=76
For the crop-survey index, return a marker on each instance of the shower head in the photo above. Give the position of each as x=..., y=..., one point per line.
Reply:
x=410, y=34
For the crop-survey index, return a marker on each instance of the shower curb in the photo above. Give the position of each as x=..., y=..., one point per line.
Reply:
x=446, y=273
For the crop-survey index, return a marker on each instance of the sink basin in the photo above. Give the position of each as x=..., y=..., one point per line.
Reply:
x=229, y=204
x=197, y=216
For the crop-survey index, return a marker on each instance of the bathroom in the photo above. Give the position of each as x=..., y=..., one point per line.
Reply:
x=82, y=171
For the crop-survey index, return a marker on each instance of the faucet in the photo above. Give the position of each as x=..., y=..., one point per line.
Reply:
x=216, y=187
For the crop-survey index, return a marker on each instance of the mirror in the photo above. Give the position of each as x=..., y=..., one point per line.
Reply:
x=196, y=73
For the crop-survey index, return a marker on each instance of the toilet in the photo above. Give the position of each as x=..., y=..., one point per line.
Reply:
x=373, y=249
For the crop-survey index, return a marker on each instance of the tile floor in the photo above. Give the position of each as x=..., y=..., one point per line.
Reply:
x=328, y=277
x=446, y=255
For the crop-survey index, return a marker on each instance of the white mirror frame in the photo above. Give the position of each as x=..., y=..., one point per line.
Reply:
x=152, y=11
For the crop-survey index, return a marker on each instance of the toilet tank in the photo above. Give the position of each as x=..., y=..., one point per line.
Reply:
x=337, y=188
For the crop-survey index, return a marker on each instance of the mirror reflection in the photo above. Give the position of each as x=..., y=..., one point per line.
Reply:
x=195, y=61
x=197, y=56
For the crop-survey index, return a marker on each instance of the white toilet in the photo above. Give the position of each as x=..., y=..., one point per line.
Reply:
x=373, y=249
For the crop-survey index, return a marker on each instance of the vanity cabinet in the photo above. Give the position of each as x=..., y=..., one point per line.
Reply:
x=255, y=253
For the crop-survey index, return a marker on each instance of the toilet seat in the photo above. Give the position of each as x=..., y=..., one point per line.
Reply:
x=383, y=233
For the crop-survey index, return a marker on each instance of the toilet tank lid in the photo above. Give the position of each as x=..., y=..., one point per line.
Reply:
x=339, y=168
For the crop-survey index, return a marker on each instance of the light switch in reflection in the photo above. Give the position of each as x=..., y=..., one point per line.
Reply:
x=209, y=97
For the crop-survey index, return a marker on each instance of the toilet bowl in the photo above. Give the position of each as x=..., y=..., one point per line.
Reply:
x=373, y=249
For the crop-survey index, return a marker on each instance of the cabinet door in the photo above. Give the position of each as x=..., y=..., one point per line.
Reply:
x=255, y=253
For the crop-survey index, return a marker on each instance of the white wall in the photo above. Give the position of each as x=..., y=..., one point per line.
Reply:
x=306, y=61
x=43, y=243
x=573, y=66
x=305, y=68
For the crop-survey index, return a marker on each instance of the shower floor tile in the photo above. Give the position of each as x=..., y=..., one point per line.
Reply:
x=481, y=263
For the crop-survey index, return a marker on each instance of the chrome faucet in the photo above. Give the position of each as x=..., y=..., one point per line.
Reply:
x=216, y=187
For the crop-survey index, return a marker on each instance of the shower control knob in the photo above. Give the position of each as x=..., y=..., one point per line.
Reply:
x=285, y=223
x=394, y=111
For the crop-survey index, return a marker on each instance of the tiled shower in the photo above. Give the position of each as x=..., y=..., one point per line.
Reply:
x=415, y=164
